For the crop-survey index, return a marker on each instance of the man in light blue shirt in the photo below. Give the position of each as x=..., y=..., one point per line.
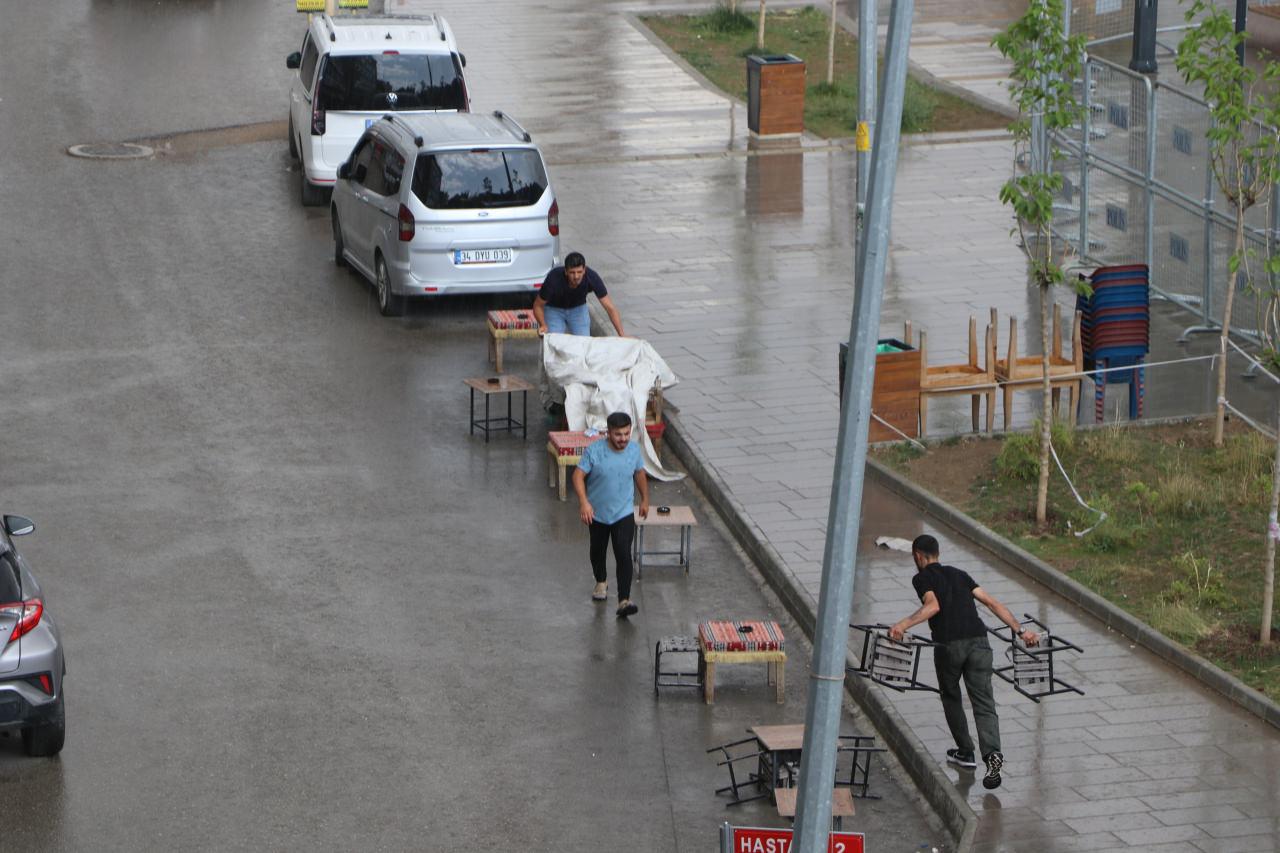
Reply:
x=605, y=481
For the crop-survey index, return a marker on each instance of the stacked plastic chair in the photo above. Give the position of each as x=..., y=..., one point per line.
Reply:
x=1115, y=331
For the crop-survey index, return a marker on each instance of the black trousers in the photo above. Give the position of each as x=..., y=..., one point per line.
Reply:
x=620, y=533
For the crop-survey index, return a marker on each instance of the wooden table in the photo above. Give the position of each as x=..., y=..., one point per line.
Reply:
x=681, y=517
x=490, y=385
x=503, y=325
x=783, y=745
x=564, y=450
x=775, y=660
x=841, y=804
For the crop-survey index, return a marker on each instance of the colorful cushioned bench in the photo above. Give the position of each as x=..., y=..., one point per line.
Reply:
x=564, y=450
x=727, y=641
x=508, y=324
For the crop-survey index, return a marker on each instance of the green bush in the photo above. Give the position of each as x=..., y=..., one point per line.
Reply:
x=1196, y=583
x=1180, y=494
x=918, y=106
x=722, y=20
x=1019, y=457
x=1114, y=445
x=1180, y=622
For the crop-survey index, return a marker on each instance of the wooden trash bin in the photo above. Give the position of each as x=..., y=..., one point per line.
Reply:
x=895, y=396
x=775, y=95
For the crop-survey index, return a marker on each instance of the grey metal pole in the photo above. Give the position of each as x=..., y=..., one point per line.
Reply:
x=1086, y=128
x=826, y=684
x=1149, y=175
x=867, y=44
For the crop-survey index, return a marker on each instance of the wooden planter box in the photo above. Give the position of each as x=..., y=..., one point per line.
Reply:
x=895, y=396
x=775, y=95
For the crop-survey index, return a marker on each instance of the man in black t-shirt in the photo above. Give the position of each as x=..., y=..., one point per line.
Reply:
x=947, y=596
x=561, y=303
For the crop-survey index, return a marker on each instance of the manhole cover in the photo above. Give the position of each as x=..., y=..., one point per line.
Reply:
x=110, y=151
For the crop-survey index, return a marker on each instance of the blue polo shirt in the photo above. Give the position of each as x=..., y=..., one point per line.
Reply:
x=611, y=479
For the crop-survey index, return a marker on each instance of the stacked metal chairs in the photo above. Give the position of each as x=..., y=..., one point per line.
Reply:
x=1115, y=331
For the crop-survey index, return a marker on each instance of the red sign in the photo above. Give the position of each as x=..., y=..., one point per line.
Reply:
x=747, y=839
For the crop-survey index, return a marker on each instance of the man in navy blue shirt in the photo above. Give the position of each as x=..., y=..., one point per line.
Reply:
x=947, y=596
x=606, y=481
x=561, y=303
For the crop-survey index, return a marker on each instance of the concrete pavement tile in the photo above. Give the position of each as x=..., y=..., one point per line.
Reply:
x=1264, y=807
x=1112, y=823
x=1092, y=808
x=1149, y=789
x=1202, y=798
x=1194, y=814
x=1250, y=826
x=1169, y=847
x=1241, y=844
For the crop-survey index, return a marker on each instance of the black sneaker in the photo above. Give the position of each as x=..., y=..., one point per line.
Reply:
x=994, y=762
x=961, y=758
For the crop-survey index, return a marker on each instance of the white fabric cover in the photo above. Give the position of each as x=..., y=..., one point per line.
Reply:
x=600, y=376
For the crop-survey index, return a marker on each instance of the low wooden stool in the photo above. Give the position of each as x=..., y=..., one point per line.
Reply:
x=841, y=804
x=508, y=324
x=487, y=386
x=676, y=645
x=564, y=450
x=724, y=641
x=679, y=516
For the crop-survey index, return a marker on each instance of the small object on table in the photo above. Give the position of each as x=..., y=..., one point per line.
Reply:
x=666, y=516
x=726, y=641
x=488, y=386
x=564, y=450
x=504, y=325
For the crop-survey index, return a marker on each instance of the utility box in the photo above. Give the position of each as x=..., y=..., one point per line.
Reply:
x=775, y=95
x=895, y=394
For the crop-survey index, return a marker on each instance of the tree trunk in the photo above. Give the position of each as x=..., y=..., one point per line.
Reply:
x=1269, y=568
x=1220, y=421
x=760, y=30
x=733, y=7
x=831, y=47
x=1046, y=412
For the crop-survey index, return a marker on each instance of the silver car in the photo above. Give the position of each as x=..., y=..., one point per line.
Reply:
x=431, y=205
x=31, y=663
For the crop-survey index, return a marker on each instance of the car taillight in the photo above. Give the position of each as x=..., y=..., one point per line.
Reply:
x=407, y=224
x=43, y=682
x=553, y=219
x=27, y=613
x=317, y=118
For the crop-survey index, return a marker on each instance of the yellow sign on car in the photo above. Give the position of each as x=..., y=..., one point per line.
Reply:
x=318, y=5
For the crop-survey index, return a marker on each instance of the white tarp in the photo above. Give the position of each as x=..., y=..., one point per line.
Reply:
x=600, y=376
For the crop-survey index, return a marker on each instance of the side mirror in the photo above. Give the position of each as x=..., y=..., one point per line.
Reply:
x=344, y=172
x=463, y=57
x=361, y=171
x=17, y=525
x=293, y=60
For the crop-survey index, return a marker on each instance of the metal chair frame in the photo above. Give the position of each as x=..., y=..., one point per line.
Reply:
x=894, y=664
x=756, y=778
x=1032, y=665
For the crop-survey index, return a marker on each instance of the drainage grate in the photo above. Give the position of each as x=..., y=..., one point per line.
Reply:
x=110, y=151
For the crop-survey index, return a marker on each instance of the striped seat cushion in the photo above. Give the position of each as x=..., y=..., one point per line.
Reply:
x=730, y=636
x=572, y=443
x=513, y=319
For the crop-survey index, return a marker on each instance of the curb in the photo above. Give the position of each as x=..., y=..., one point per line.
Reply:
x=1086, y=599
x=933, y=784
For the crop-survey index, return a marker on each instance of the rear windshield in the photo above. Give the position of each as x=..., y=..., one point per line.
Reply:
x=511, y=177
x=392, y=82
x=9, y=592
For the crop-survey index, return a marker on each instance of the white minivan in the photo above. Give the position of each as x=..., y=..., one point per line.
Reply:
x=352, y=70
x=429, y=205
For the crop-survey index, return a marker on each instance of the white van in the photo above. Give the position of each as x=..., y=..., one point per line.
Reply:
x=430, y=205
x=352, y=70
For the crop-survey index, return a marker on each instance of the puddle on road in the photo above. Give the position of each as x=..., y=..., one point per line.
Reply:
x=188, y=142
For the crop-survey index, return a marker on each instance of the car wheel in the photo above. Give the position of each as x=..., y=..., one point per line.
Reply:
x=390, y=304
x=47, y=739
x=293, y=141
x=312, y=195
x=337, y=241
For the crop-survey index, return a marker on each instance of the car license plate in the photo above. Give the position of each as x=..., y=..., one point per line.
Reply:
x=467, y=257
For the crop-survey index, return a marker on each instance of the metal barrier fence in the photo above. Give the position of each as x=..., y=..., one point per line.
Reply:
x=1138, y=187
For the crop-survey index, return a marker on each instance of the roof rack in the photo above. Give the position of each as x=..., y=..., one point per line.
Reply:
x=393, y=118
x=328, y=22
x=501, y=116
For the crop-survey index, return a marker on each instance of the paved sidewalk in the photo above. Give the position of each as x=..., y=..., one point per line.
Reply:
x=738, y=268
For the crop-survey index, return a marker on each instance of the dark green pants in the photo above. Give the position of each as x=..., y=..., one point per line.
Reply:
x=969, y=659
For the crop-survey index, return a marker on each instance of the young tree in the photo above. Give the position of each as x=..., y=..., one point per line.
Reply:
x=831, y=47
x=1208, y=57
x=760, y=28
x=1045, y=66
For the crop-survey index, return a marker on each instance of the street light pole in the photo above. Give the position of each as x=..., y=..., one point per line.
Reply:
x=826, y=684
x=865, y=131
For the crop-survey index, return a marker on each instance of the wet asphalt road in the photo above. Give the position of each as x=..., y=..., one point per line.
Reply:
x=302, y=609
